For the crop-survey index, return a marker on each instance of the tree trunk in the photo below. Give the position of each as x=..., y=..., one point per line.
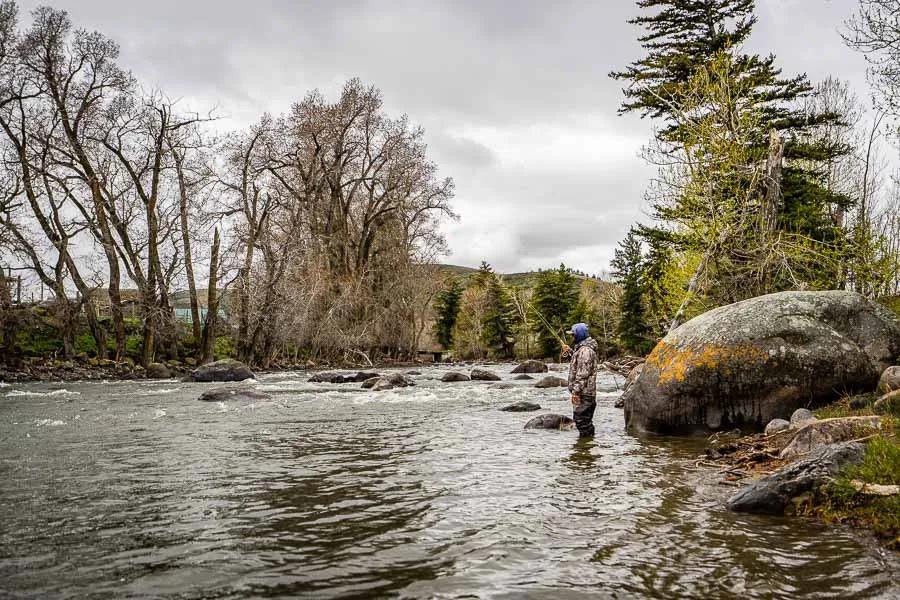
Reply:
x=208, y=337
x=186, y=242
x=772, y=182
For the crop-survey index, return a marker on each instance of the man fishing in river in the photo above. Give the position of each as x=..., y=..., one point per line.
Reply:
x=582, y=378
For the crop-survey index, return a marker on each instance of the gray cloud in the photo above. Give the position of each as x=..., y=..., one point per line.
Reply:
x=514, y=96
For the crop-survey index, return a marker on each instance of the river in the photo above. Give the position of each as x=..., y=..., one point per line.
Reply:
x=136, y=489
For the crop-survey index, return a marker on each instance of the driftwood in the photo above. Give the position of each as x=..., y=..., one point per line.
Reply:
x=875, y=489
x=622, y=365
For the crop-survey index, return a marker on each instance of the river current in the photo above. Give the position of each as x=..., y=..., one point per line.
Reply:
x=138, y=490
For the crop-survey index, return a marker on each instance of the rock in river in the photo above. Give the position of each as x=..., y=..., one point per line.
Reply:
x=523, y=406
x=551, y=421
x=454, y=376
x=222, y=394
x=158, y=371
x=753, y=361
x=483, y=375
x=222, y=370
x=334, y=377
x=551, y=381
x=387, y=382
x=522, y=377
x=772, y=493
x=531, y=366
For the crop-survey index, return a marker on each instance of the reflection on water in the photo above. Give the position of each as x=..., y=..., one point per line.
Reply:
x=137, y=489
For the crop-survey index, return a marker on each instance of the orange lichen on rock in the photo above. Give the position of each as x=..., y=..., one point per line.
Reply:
x=674, y=364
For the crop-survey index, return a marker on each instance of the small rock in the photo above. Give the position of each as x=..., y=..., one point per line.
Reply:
x=889, y=380
x=483, y=375
x=551, y=421
x=801, y=417
x=860, y=401
x=454, y=376
x=521, y=407
x=382, y=384
x=829, y=431
x=551, y=381
x=190, y=361
x=522, y=377
x=221, y=394
x=222, y=370
x=503, y=386
x=771, y=494
x=531, y=366
x=370, y=383
x=387, y=382
x=777, y=425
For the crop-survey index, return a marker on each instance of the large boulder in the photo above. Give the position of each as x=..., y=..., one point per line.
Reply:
x=483, y=375
x=387, y=382
x=772, y=493
x=551, y=421
x=889, y=380
x=829, y=431
x=748, y=363
x=222, y=394
x=226, y=369
x=335, y=377
x=531, y=366
x=551, y=381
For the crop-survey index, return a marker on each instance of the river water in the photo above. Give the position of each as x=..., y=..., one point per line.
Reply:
x=136, y=489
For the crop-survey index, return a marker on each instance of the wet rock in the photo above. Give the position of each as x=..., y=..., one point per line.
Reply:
x=223, y=394
x=776, y=426
x=633, y=374
x=521, y=407
x=889, y=404
x=222, y=370
x=801, y=418
x=889, y=380
x=411, y=373
x=387, y=382
x=551, y=381
x=483, y=375
x=531, y=366
x=335, y=377
x=454, y=376
x=551, y=421
x=753, y=361
x=158, y=371
x=503, y=386
x=829, y=431
x=522, y=377
x=771, y=494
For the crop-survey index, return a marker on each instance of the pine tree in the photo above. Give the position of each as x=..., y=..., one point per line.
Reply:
x=446, y=305
x=683, y=37
x=556, y=302
x=498, y=322
x=627, y=264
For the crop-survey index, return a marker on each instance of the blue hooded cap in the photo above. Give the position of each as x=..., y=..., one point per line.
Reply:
x=580, y=331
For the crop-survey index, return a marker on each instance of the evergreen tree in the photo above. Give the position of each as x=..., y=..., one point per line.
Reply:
x=682, y=38
x=498, y=321
x=556, y=299
x=627, y=264
x=446, y=305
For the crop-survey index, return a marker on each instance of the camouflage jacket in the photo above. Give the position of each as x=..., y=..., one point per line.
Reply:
x=583, y=369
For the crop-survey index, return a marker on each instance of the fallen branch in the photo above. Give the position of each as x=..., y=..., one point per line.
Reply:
x=875, y=489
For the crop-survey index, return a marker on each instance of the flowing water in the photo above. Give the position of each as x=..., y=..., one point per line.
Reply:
x=136, y=489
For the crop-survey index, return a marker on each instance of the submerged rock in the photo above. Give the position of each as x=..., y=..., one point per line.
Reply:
x=226, y=369
x=551, y=421
x=522, y=377
x=483, y=375
x=222, y=394
x=454, y=376
x=531, y=366
x=771, y=494
x=335, y=377
x=522, y=406
x=753, y=361
x=829, y=431
x=889, y=380
x=503, y=386
x=551, y=381
x=777, y=426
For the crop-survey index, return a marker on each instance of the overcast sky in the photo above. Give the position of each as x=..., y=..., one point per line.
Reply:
x=514, y=96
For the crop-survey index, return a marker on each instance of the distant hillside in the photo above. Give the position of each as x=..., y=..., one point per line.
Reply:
x=527, y=279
